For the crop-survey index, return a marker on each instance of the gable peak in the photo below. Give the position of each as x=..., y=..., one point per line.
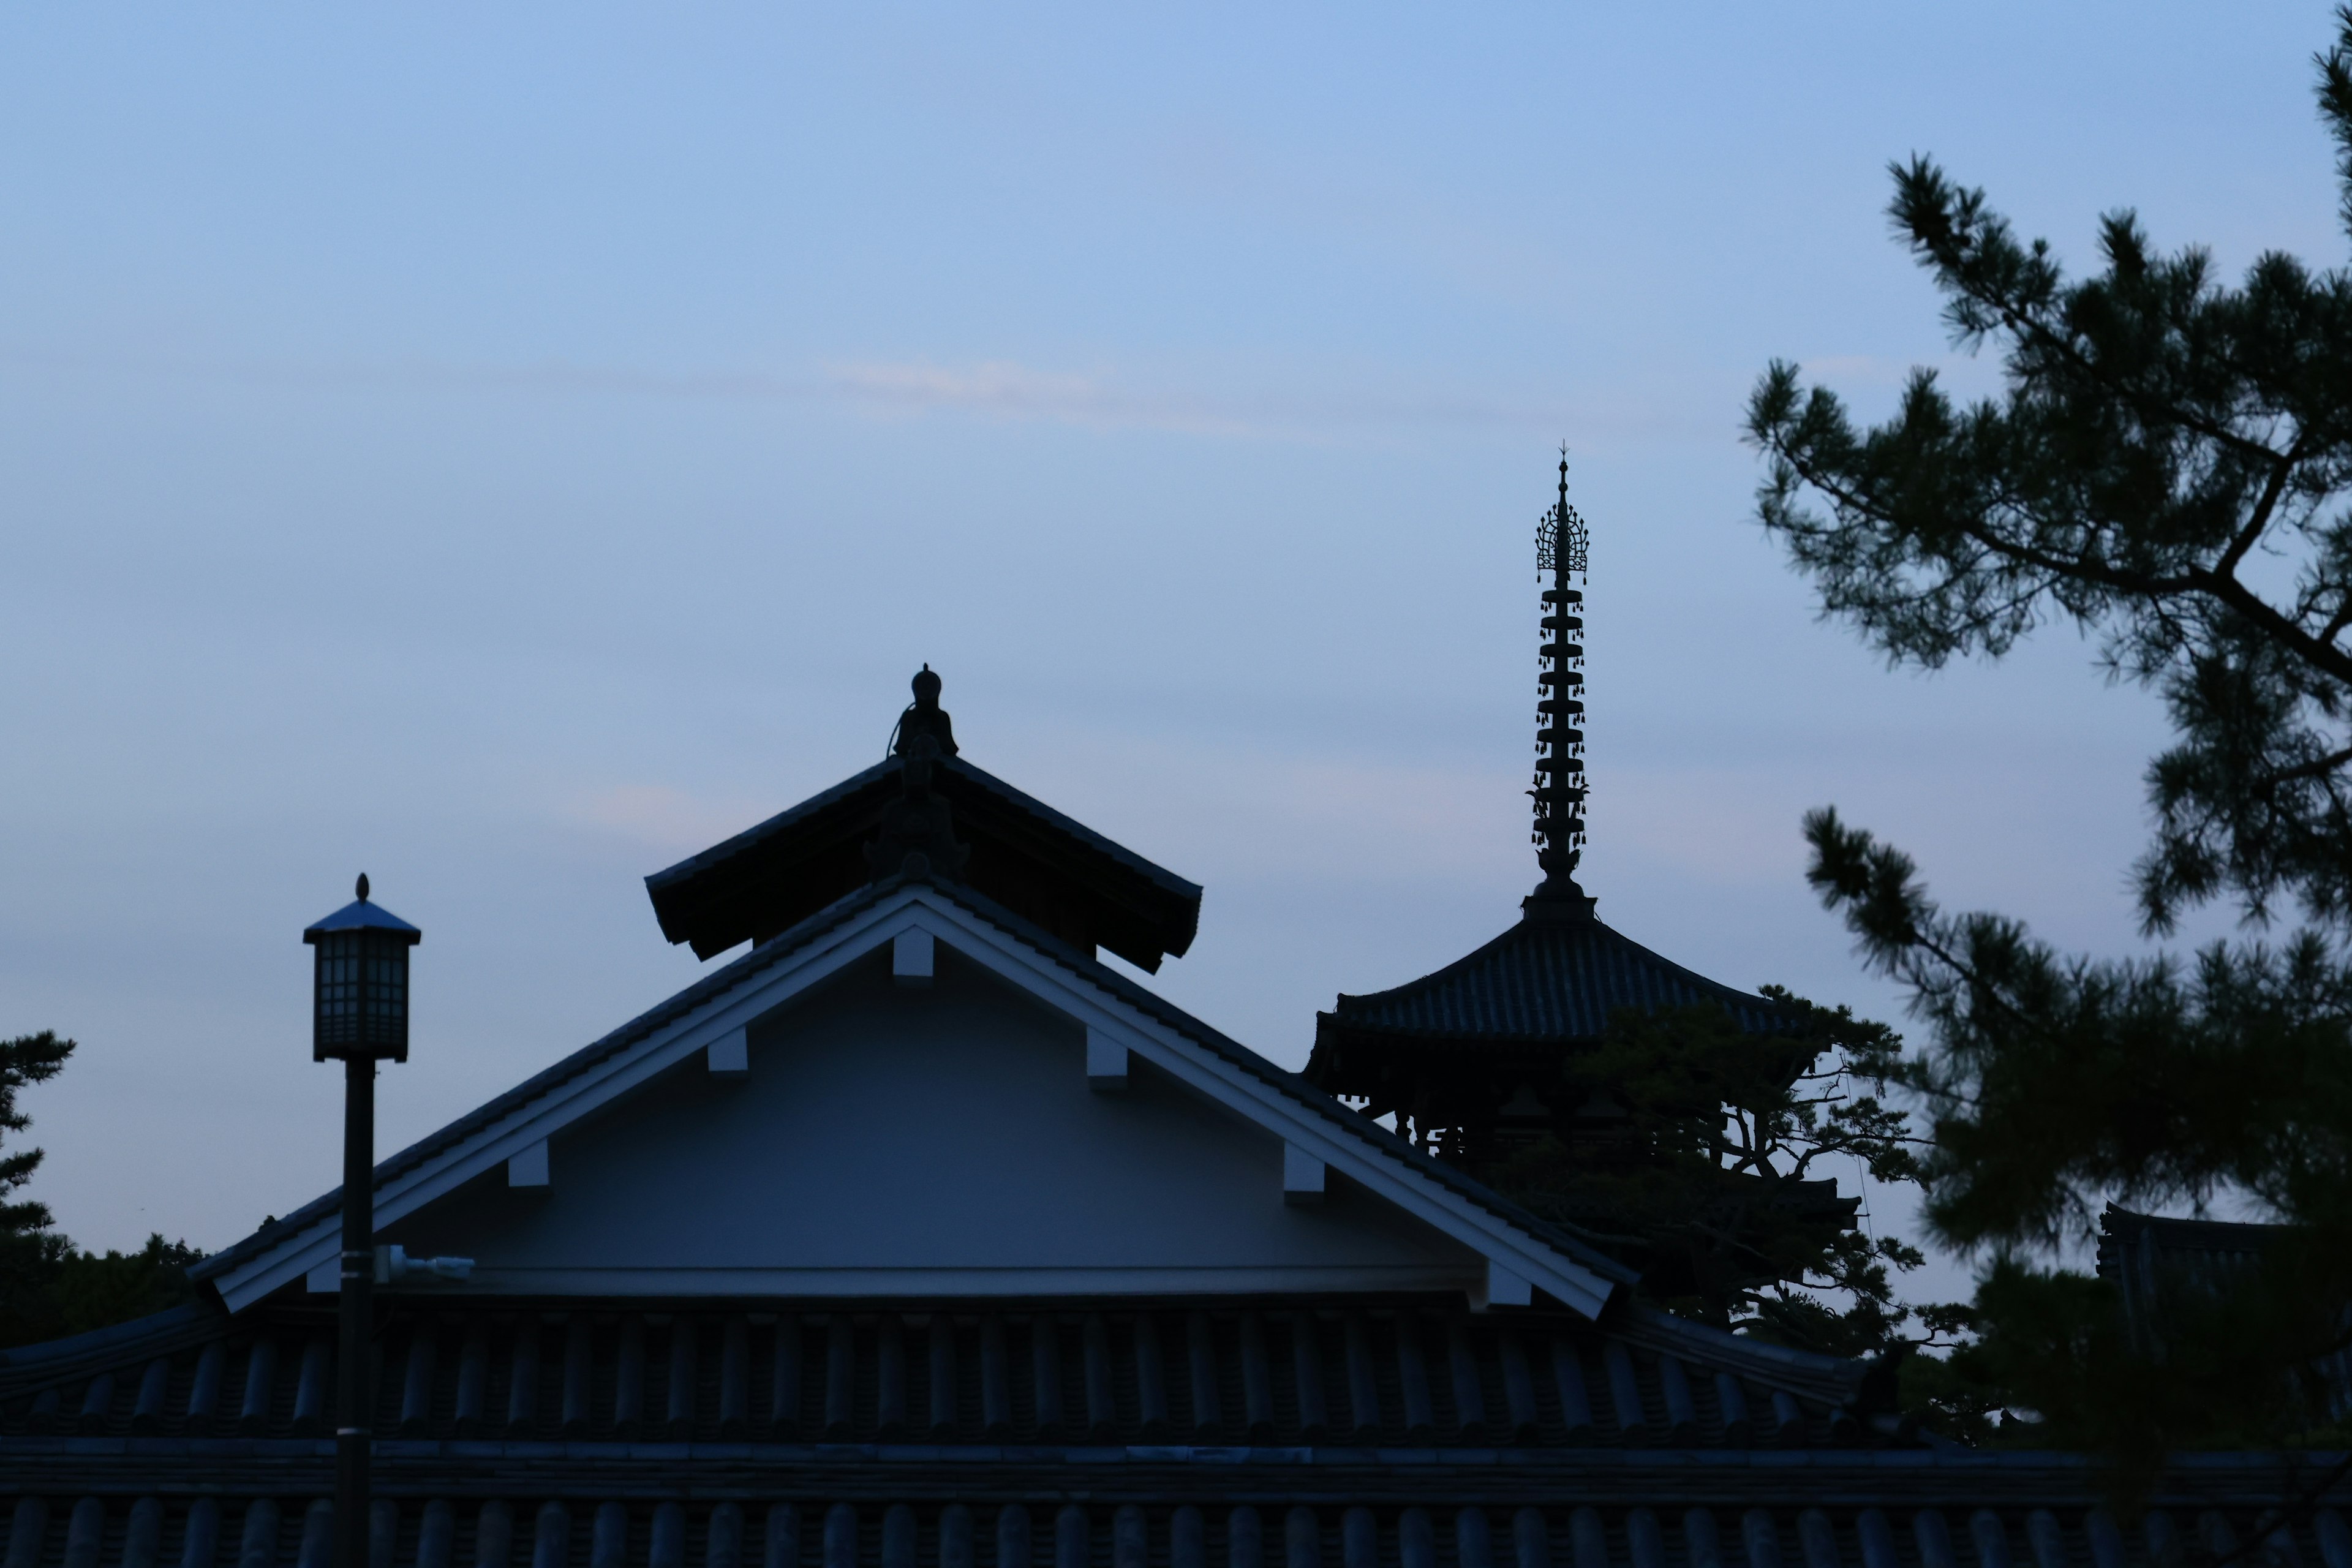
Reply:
x=925, y=811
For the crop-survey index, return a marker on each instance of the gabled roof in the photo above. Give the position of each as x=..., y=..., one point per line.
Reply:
x=1556, y=976
x=1521, y=1250
x=1025, y=856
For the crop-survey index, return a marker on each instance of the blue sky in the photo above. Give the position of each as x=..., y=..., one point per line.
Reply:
x=506, y=449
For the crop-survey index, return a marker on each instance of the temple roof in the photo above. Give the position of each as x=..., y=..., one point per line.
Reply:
x=1562, y=1264
x=1009, y=847
x=959, y=1374
x=1556, y=976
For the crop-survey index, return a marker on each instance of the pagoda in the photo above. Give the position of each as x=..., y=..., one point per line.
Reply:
x=1470, y=1058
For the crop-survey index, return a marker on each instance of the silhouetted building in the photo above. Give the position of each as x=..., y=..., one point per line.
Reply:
x=2160, y=1265
x=1472, y=1060
x=914, y=1237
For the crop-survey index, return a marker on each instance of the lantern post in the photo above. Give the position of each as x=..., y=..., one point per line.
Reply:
x=358, y=1015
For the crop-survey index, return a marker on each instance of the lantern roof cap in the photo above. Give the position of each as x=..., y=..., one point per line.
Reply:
x=362, y=915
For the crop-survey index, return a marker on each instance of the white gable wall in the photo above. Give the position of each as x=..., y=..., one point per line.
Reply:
x=890, y=1139
x=1330, y=1158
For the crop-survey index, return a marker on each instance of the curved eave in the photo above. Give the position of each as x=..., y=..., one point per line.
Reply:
x=131, y=1343
x=1487, y=968
x=1026, y=854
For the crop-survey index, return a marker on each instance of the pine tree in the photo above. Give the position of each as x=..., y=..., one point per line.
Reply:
x=49, y=1286
x=29, y=1248
x=1717, y=1172
x=2167, y=470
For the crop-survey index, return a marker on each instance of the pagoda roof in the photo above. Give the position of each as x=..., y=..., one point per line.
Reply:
x=1557, y=975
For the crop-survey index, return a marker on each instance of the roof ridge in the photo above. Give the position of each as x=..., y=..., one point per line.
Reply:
x=929, y=800
x=172, y=1326
x=1832, y=1377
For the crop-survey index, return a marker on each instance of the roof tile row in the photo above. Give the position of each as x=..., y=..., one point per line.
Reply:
x=1236, y=1374
x=808, y=1532
x=1545, y=978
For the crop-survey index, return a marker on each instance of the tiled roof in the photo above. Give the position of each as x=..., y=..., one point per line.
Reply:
x=1238, y=1372
x=1554, y=975
x=2159, y=1265
x=1130, y=1508
x=779, y=871
x=1174, y=1435
x=2140, y=1253
x=886, y=772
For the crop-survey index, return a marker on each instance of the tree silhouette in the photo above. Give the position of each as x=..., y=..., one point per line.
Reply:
x=2165, y=469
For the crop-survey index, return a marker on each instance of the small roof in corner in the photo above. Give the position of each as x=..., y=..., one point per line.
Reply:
x=1023, y=855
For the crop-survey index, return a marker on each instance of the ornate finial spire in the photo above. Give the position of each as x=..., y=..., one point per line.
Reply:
x=1559, y=792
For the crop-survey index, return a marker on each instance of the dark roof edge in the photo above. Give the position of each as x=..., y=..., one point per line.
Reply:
x=1834, y=1379
x=163, y=1331
x=1727, y=993
x=1167, y=880
x=2226, y=1235
x=727, y=848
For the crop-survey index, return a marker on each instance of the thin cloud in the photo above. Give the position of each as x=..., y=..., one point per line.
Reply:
x=1010, y=390
x=999, y=386
x=662, y=816
x=1007, y=389
x=1000, y=389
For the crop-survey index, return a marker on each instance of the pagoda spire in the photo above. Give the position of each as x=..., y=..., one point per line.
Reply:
x=1559, y=792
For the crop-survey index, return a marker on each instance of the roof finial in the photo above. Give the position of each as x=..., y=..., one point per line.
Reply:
x=362, y=886
x=1559, y=792
x=924, y=716
x=918, y=837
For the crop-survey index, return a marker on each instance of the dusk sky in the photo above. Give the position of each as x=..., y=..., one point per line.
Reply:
x=507, y=449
